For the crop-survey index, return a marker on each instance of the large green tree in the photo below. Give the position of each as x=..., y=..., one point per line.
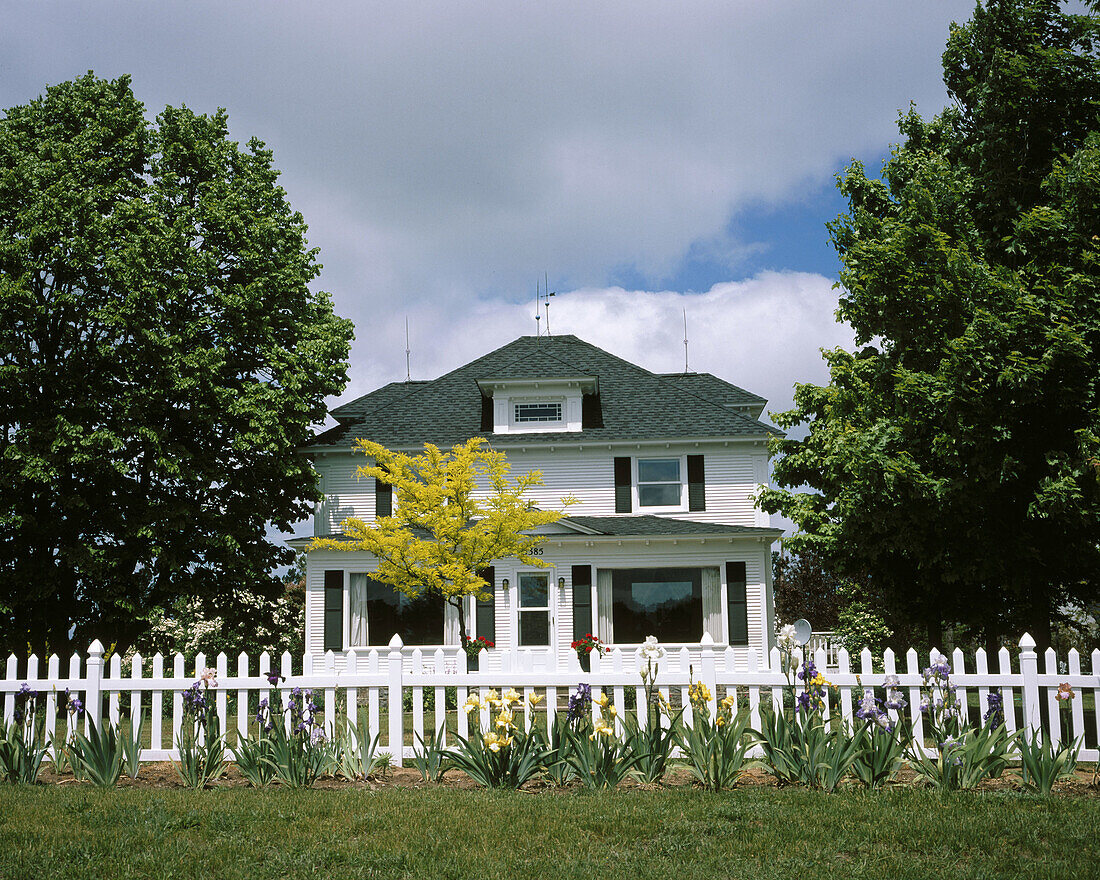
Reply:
x=955, y=458
x=161, y=357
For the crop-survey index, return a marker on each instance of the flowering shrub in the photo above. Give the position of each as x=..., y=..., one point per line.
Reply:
x=597, y=756
x=291, y=741
x=939, y=703
x=21, y=742
x=201, y=743
x=717, y=745
x=61, y=747
x=787, y=642
x=995, y=711
x=500, y=755
x=963, y=757
x=652, y=744
x=882, y=737
x=805, y=748
x=812, y=698
x=586, y=644
x=473, y=647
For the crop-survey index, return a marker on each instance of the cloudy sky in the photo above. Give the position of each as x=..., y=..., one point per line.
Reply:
x=646, y=158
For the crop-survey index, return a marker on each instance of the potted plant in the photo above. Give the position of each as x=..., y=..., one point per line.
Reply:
x=584, y=646
x=473, y=647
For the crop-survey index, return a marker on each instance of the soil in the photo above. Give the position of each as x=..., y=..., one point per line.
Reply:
x=163, y=775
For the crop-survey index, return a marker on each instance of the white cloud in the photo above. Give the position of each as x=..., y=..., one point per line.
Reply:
x=763, y=334
x=469, y=147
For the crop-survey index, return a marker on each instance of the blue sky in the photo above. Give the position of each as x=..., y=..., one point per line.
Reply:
x=647, y=157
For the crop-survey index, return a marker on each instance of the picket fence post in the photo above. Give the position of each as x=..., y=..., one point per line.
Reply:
x=93, y=684
x=1029, y=673
x=709, y=673
x=396, y=707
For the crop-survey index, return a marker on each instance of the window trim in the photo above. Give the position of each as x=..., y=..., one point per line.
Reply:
x=516, y=404
x=551, y=601
x=635, y=488
x=534, y=426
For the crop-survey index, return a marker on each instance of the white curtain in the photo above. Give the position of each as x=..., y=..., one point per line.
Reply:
x=712, y=604
x=451, y=633
x=357, y=609
x=605, y=625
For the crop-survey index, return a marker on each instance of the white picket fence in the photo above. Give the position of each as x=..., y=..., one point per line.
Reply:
x=370, y=685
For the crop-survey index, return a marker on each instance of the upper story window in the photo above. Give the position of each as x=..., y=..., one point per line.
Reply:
x=542, y=411
x=660, y=483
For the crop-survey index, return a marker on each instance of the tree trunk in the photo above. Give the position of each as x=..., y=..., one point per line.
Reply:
x=1038, y=617
x=935, y=630
x=460, y=604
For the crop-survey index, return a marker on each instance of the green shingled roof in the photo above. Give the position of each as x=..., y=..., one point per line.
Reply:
x=635, y=404
x=659, y=526
x=634, y=527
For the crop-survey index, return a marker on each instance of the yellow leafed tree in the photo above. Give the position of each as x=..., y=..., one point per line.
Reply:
x=455, y=513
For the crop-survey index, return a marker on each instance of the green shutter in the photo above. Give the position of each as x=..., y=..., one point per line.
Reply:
x=334, y=610
x=486, y=612
x=622, y=484
x=738, y=606
x=383, y=499
x=582, y=600
x=697, y=493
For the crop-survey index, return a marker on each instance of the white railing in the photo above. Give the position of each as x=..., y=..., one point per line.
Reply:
x=824, y=641
x=371, y=682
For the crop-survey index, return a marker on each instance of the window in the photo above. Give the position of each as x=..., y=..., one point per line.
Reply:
x=379, y=610
x=334, y=610
x=534, y=608
x=662, y=602
x=544, y=411
x=659, y=483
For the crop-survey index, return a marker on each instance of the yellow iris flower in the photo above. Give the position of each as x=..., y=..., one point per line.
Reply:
x=494, y=742
x=601, y=727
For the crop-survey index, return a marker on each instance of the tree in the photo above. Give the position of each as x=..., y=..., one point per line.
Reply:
x=455, y=513
x=239, y=621
x=804, y=587
x=956, y=457
x=161, y=358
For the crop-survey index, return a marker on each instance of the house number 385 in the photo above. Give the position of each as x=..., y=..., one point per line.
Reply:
x=536, y=551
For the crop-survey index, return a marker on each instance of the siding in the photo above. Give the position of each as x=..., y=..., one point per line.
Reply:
x=733, y=476
x=344, y=494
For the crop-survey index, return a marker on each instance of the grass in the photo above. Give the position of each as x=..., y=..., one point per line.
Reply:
x=78, y=832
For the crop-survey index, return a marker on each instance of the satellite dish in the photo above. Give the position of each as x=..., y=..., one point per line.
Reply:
x=802, y=630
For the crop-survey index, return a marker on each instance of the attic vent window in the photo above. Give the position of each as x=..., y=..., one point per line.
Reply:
x=537, y=412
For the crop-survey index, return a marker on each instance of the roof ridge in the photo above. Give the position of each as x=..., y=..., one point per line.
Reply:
x=550, y=354
x=707, y=400
x=680, y=375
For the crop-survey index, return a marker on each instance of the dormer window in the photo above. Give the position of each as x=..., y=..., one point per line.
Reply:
x=534, y=406
x=543, y=411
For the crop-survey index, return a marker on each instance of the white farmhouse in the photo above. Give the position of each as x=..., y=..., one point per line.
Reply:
x=665, y=539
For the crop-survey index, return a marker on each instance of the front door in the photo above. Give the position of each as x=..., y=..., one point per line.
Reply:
x=534, y=609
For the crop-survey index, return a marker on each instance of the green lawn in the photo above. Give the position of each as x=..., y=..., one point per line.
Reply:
x=683, y=833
